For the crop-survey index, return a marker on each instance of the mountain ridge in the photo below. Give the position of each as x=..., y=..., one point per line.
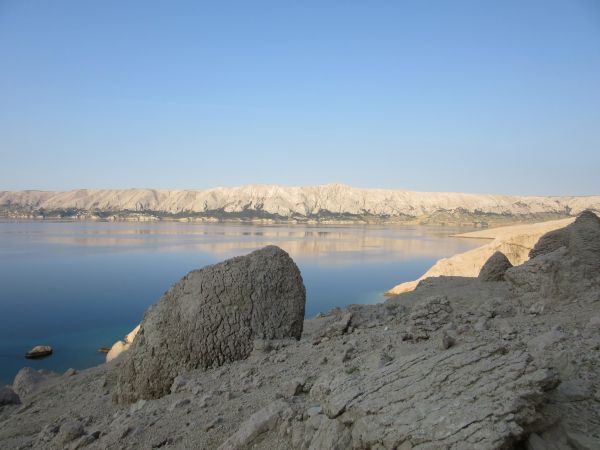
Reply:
x=282, y=203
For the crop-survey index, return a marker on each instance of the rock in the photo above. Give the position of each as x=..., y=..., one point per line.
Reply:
x=580, y=237
x=70, y=372
x=121, y=346
x=446, y=342
x=580, y=441
x=470, y=396
x=137, y=406
x=331, y=435
x=574, y=390
x=263, y=420
x=8, y=396
x=366, y=315
x=212, y=316
x=538, y=344
x=293, y=388
x=536, y=442
x=537, y=309
x=495, y=267
x=28, y=381
x=592, y=328
x=507, y=331
x=213, y=423
x=482, y=324
x=314, y=411
x=338, y=327
x=564, y=264
x=39, y=351
x=69, y=431
x=179, y=404
x=428, y=316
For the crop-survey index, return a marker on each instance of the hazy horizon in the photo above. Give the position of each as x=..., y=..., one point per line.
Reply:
x=459, y=96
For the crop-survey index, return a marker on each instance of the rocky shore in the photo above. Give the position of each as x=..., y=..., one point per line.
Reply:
x=507, y=359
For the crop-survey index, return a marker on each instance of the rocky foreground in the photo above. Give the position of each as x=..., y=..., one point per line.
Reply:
x=325, y=203
x=508, y=359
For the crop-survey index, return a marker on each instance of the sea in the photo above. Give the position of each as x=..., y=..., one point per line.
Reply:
x=80, y=286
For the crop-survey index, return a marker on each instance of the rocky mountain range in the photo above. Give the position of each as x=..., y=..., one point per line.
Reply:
x=330, y=202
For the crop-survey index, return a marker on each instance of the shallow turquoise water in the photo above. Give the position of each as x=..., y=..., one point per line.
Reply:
x=78, y=286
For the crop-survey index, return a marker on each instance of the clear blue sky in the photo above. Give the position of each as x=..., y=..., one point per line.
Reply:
x=474, y=96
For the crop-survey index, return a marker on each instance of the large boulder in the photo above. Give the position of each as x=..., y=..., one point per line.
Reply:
x=212, y=316
x=495, y=267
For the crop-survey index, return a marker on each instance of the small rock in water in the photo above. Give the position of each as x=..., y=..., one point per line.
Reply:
x=70, y=372
x=39, y=351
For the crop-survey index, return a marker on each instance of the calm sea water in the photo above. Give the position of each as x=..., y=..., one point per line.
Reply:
x=79, y=286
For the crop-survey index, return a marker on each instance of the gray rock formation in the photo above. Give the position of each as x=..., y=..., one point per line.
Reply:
x=564, y=264
x=429, y=316
x=27, y=381
x=211, y=317
x=477, y=396
x=581, y=239
x=8, y=396
x=260, y=422
x=495, y=267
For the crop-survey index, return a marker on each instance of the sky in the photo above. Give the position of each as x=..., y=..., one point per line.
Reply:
x=456, y=95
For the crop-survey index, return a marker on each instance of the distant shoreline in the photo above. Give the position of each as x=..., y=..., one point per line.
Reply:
x=445, y=219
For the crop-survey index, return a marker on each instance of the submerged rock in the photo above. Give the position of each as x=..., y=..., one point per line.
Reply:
x=212, y=316
x=495, y=267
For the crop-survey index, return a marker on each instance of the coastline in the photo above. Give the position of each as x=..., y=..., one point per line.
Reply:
x=515, y=241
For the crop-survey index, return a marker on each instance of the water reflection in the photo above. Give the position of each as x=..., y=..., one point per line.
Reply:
x=78, y=286
x=331, y=245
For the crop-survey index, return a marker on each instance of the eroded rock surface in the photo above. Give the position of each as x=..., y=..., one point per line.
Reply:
x=27, y=381
x=8, y=396
x=495, y=267
x=211, y=317
x=428, y=317
x=477, y=396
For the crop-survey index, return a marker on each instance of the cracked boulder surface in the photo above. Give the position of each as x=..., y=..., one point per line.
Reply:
x=212, y=316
